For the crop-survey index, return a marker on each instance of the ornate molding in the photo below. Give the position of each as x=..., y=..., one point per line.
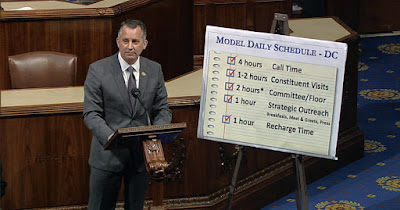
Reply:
x=174, y=170
x=228, y=158
x=41, y=109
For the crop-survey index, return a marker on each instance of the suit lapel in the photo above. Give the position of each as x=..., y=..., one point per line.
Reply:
x=143, y=74
x=120, y=83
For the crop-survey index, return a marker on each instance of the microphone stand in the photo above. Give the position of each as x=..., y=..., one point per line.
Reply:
x=136, y=93
x=145, y=110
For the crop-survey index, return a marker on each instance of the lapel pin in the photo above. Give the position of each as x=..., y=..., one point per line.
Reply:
x=143, y=73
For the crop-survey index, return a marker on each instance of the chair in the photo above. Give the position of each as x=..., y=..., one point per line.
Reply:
x=42, y=69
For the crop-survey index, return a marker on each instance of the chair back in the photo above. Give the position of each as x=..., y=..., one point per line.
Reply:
x=42, y=69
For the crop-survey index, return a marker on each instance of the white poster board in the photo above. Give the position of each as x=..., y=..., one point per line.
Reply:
x=272, y=91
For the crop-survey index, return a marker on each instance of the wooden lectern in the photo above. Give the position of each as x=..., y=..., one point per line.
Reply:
x=151, y=137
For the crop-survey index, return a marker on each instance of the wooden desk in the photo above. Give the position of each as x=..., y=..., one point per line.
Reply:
x=44, y=149
x=332, y=29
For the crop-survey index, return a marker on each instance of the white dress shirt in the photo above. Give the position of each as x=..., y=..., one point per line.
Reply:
x=125, y=72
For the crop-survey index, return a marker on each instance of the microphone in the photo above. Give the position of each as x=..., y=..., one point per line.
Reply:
x=136, y=93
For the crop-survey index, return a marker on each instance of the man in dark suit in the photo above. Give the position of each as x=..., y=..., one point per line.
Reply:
x=108, y=107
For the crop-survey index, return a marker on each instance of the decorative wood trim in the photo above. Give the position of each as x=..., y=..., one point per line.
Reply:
x=81, y=3
x=177, y=161
x=41, y=109
x=78, y=107
x=184, y=101
x=75, y=13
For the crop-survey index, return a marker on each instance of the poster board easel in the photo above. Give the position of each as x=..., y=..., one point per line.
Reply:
x=280, y=25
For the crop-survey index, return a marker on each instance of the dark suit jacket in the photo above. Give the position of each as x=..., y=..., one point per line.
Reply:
x=107, y=108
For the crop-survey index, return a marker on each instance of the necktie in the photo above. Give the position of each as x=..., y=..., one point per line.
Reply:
x=131, y=85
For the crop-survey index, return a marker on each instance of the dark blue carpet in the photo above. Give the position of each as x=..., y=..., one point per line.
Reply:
x=374, y=181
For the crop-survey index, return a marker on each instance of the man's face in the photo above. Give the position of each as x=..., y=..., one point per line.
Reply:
x=131, y=44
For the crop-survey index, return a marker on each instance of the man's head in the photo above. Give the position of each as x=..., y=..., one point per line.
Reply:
x=131, y=40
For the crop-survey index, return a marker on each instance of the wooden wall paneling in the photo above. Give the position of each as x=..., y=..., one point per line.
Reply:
x=203, y=15
x=250, y=15
x=264, y=13
x=231, y=15
x=366, y=16
x=347, y=11
x=91, y=34
x=4, y=82
x=379, y=16
x=254, y=15
x=169, y=24
x=89, y=39
x=44, y=161
x=349, y=101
